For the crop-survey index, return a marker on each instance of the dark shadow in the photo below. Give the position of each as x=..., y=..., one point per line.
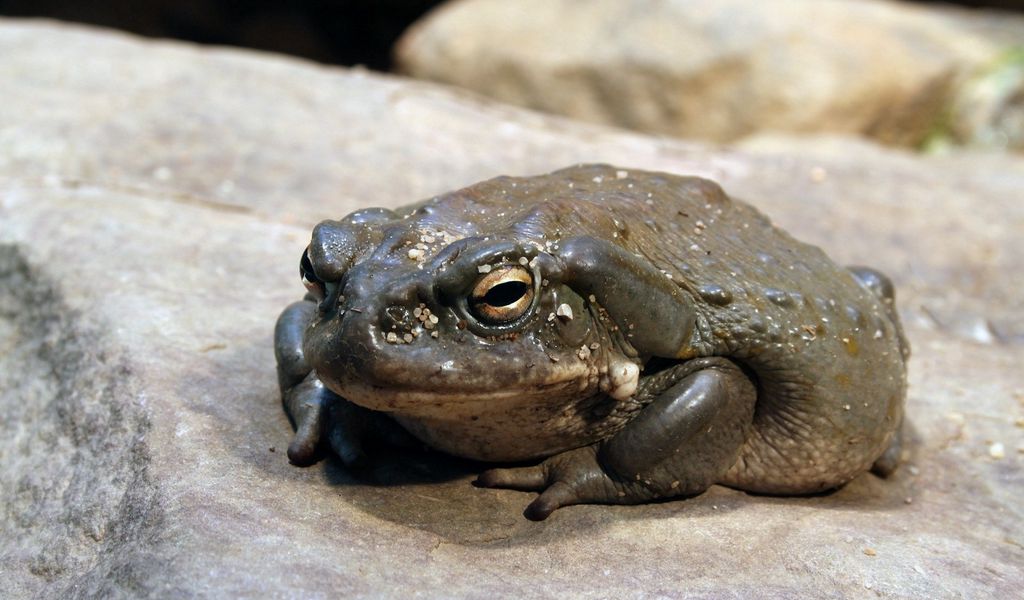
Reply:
x=433, y=491
x=393, y=467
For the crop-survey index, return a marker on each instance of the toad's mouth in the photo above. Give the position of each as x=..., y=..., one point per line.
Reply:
x=477, y=393
x=453, y=402
x=558, y=390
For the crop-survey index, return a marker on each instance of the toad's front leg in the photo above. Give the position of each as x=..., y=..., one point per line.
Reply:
x=320, y=415
x=679, y=445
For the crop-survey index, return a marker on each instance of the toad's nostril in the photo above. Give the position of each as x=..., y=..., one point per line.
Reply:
x=395, y=317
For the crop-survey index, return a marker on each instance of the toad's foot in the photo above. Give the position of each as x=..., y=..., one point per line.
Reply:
x=573, y=477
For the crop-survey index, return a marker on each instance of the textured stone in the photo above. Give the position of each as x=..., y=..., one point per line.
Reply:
x=721, y=70
x=154, y=199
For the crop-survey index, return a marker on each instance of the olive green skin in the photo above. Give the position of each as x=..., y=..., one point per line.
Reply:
x=695, y=275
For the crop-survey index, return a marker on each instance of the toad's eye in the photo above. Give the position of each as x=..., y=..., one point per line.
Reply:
x=502, y=296
x=314, y=284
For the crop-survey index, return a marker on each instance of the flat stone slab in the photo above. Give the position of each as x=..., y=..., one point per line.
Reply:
x=154, y=201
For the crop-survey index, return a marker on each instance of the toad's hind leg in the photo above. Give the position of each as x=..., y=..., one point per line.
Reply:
x=681, y=443
x=890, y=460
x=881, y=286
x=874, y=280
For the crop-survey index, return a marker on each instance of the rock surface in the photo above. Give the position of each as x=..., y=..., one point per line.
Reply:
x=722, y=70
x=154, y=199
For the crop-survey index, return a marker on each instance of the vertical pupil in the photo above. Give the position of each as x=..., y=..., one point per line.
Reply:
x=506, y=293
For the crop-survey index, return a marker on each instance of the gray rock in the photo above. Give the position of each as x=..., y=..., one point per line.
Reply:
x=721, y=70
x=154, y=199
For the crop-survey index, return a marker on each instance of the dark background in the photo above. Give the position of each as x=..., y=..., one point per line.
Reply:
x=346, y=32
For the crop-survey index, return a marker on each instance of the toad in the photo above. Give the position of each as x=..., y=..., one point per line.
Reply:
x=636, y=335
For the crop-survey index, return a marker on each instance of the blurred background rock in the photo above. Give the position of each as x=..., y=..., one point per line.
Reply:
x=720, y=70
x=923, y=75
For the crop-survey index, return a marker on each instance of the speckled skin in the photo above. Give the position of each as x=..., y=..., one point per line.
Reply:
x=761, y=364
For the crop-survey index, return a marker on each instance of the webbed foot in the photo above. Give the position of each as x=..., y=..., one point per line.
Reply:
x=573, y=477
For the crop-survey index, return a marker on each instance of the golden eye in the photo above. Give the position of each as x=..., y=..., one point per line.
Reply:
x=503, y=295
